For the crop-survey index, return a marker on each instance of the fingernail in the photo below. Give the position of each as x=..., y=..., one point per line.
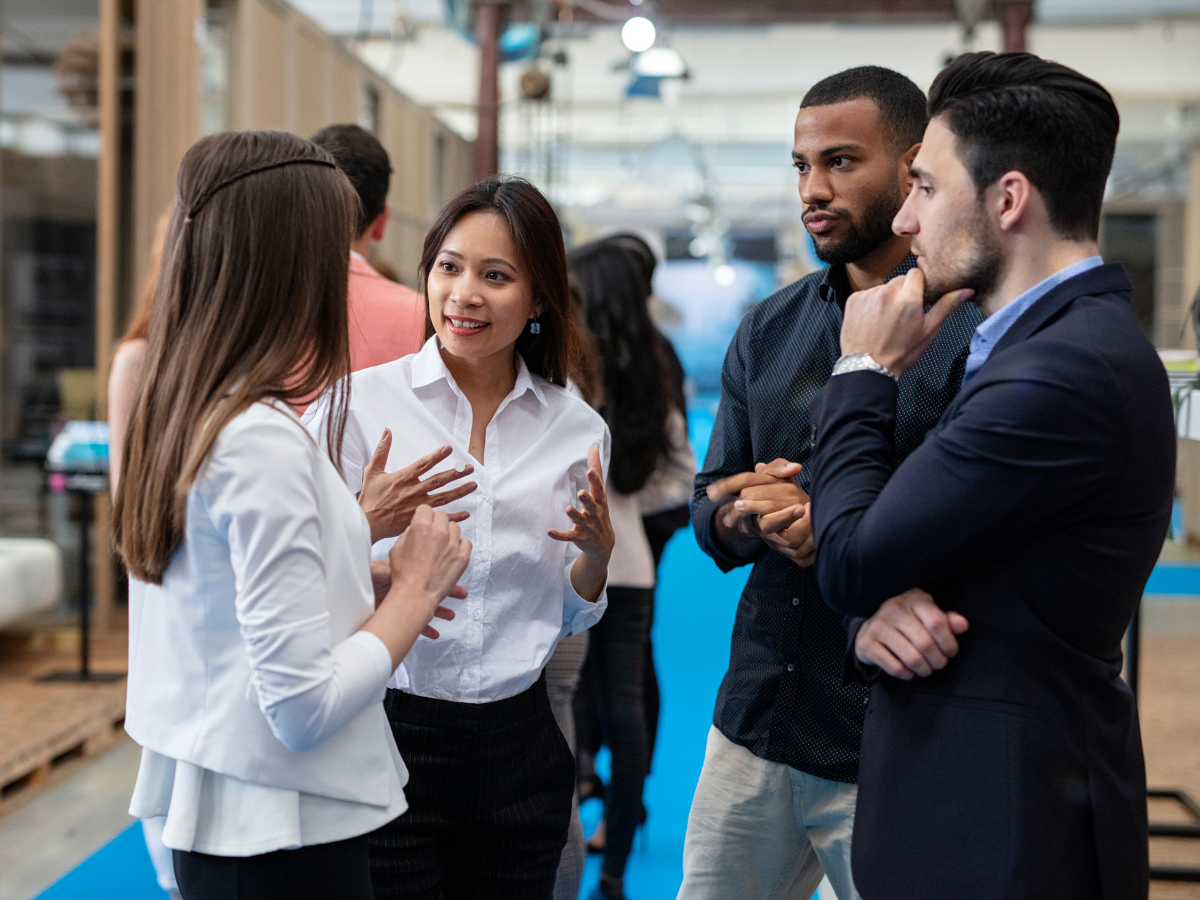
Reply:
x=737, y=504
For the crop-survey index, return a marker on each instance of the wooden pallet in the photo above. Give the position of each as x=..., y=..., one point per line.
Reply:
x=47, y=731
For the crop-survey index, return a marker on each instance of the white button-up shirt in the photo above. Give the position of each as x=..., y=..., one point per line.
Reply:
x=521, y=601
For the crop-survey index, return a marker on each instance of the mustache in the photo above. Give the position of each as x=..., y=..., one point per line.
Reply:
x=835, y=211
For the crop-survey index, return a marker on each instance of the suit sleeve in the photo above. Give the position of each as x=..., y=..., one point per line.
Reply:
x=1020, y=456
x=730, y=451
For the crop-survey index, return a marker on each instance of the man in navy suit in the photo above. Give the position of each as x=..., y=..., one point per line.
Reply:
x=999, y=565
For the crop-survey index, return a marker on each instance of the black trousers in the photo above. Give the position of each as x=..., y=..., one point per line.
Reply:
x=489, y=795
x=659, y=529
x=613, y=683
x=320, y=872
x=588, y=739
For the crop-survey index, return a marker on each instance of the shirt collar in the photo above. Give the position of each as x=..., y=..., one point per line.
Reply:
x=993, y=328
x=836, y=286
x=428, y=367
x=354, y=254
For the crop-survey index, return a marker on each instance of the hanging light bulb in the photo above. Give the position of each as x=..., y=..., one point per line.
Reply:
x=638, y=34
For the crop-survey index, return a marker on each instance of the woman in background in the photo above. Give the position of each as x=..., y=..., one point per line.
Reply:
x=566, y=663
x=493, y=778
x=262, y=642
x=666, y=501
x=648, y=434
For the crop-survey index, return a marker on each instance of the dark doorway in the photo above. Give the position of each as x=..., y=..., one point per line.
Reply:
x=1132, y=240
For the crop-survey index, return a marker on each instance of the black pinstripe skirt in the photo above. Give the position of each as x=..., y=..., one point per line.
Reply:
x=489, y=795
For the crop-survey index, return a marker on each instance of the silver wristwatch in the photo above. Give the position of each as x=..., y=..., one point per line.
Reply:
x=860, y=362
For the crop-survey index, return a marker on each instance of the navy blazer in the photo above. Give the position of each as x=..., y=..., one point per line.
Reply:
x=1037, y=508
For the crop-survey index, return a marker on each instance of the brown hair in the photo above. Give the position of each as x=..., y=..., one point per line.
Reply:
x=250, y=305
x=139, y=328
x=558, y=351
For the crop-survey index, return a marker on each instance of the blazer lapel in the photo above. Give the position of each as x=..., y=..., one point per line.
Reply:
x=1108, y=279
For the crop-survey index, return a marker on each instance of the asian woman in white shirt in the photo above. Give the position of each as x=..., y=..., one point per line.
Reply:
x=262, y=642
x=492, y=776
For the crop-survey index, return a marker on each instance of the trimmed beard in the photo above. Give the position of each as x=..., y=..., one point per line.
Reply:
x=980, y=271
x=867, y=233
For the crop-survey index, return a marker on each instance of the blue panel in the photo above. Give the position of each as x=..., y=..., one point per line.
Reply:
x=1175, y=578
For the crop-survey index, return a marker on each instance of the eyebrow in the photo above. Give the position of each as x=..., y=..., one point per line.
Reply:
x=487, y=262
x=918, y=173
x=832, y=151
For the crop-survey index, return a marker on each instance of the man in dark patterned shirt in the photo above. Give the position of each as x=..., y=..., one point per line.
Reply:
x=774, y=808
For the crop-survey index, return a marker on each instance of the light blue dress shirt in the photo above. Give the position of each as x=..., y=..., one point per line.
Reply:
x=995, y=326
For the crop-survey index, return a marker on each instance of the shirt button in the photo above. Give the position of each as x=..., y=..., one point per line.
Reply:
x=795, y=601
x=791, y=667
x=476, y=613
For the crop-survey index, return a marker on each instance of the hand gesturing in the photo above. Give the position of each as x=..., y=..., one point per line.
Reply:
x=390, y=499
x=593, y=532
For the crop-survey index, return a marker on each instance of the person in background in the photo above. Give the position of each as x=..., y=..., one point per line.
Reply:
x=774, y=807
x=386, y=269
x=666, y=501
x=387, y=320
x=566, y=663
x=262, y=643
x=123, y=374
x=649, y=434
x=493, y=778
x=127, y=359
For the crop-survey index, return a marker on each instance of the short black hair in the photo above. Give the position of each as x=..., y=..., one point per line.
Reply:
x=1019, y=112
x=901, y=103
x=359, y=154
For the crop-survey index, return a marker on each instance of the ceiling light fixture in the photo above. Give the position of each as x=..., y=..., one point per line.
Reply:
x=638, y=34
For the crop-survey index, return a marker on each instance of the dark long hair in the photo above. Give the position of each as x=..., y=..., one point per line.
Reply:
x=557, y=352
x=636, y=403
x=250, y=305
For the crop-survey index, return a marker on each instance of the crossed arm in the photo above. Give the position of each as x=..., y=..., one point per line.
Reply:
x=1024, y=449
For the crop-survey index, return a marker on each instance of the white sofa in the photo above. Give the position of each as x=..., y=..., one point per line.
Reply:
x=30, y=577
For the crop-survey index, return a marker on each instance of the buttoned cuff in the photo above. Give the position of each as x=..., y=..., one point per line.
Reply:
x=579, y=614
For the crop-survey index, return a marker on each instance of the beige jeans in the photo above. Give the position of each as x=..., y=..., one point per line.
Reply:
x=762, y=830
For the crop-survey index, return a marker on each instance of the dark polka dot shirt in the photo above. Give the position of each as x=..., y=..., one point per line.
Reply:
x=784, y=697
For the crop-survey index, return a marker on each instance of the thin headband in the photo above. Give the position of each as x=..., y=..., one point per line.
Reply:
x=207, y=195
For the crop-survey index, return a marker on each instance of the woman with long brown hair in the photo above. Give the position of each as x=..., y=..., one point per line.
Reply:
x=493, y=777
x=260, y=647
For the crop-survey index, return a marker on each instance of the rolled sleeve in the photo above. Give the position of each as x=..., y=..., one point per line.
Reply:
x=578, y=614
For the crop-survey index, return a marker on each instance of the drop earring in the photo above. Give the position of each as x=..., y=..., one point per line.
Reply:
x=535, y=327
